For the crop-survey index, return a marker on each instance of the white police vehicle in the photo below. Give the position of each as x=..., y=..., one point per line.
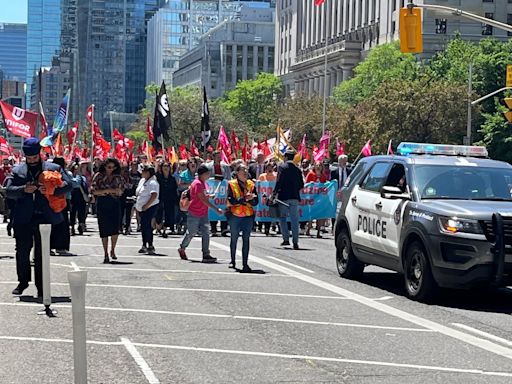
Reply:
x=439, y=214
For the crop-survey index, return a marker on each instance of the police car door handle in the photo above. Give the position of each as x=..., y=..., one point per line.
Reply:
x=378, y=205
x=354, y=200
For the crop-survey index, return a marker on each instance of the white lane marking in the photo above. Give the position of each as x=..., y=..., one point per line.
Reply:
x=175, y=271
x=422, y=322
x=278, y=355
x=383, y=298
x=44, y=339
x=329, y=359
x=74, y=266
x=290, y=264
x=143, y=365
x=92, y=285
x=233, y=317
x=484, y=334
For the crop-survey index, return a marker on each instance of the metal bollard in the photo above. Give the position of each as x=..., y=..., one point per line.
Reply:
x=77, y=281
x=45, y=231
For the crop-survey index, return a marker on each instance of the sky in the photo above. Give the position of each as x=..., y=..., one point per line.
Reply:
x=13, y=11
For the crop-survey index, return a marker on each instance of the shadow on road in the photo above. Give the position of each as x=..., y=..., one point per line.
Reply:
x=55, y=299
x=476, y=299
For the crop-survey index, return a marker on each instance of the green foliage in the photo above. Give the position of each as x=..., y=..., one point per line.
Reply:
x=137, y=136
x=254, y=101
x=384, y=62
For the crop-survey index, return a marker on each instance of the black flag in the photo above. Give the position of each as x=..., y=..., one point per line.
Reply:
x=162, y=119
x=206, y=134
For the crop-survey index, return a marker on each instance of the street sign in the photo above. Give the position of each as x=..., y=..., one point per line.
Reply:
x=509, y=76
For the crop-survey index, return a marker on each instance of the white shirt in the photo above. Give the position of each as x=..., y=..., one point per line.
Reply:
x=144, y=191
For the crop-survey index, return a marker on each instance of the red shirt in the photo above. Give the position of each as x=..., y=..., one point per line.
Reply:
x=312, y=177
x=197, y=207
x=4, y=172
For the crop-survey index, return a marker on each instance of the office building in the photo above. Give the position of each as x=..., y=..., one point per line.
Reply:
x=178, y=27
x=107, y=40
x=43, y=37
x=232, y=51
x=355, y=26
x=13, y=48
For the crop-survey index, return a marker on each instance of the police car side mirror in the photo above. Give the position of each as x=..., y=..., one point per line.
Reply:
x=389, y=192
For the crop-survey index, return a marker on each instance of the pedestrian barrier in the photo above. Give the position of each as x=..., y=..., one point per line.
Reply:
x=77, y=282
x=45, y=231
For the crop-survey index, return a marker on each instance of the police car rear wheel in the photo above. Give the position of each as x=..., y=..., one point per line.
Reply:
x=419, y=282
x=348, y=265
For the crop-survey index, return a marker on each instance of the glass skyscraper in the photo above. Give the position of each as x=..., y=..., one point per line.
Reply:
x=177, y=28
x=13, y=48
x=43, y=37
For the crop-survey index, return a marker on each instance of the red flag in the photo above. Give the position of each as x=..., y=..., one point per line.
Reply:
x=340, y=148
x=235, y=142
x=367, y=149
x=183, y=152
x=390, y=148
x=72, y=134
x=118, y=136
x=44, y=124
x=18, y=121
x=223, y=140
x=319, y=2
x=193, y=148
x=4, y=146
x=246, y=154
x=267, y=153
x=149, y=130
x=302, y=147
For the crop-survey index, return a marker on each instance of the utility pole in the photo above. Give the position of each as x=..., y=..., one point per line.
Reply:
x=324, y=109
x=467, y=139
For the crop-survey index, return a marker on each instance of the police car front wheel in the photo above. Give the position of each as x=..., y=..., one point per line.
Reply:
x=347, y=263
x=419, y=281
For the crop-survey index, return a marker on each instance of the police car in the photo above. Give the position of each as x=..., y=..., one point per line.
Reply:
x=439, y=214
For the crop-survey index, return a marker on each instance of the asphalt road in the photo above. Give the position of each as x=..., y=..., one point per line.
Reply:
x=158, y=319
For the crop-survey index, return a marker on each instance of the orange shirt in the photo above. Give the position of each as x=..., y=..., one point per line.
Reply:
x=268, y=177
x=312, y=177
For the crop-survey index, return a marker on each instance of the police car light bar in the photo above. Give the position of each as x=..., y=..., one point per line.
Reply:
x=405, y=149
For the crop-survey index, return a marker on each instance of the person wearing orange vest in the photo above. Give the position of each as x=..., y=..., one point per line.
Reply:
x=242, y=198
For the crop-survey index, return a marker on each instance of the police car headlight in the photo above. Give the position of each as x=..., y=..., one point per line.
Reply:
x=454, y=225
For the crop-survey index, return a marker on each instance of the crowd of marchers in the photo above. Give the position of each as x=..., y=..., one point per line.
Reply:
x=165, y=199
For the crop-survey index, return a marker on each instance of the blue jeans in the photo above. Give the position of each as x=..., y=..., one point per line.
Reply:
x=293, y=212
x=194, y=223
x=237, y=225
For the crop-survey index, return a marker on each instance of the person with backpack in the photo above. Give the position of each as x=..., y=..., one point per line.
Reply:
x=197, y=218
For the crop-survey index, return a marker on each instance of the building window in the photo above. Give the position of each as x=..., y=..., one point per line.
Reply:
x=486, y=28
x=441, y=26
x=487, y=1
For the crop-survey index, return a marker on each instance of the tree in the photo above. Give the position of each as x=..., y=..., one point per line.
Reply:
x=384, y=62
x=253, y=101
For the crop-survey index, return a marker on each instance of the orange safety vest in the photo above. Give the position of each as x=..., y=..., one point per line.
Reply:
x=244, y=209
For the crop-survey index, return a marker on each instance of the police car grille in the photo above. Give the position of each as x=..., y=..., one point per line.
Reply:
x=491, y=236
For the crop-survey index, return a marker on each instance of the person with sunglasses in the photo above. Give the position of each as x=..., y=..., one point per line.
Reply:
x=107, y=187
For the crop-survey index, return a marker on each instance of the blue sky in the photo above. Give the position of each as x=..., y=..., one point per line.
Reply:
x=13, y=11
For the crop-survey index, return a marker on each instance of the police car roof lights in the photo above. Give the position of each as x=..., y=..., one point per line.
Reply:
x=405, y=149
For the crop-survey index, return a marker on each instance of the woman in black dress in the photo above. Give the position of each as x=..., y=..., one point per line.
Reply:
x=166, y=214
x=107, y=186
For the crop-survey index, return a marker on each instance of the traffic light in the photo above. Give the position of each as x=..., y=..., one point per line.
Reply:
x=508, y=114
x=411, y=39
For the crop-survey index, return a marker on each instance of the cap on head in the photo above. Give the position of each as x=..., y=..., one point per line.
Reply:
x=290, y=151
x=31, y=147
x=202, y=169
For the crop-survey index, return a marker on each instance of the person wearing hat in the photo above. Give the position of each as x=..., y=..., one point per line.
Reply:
x=32, y=209
x=288, y=185
x=147, y=193
x=197, y=219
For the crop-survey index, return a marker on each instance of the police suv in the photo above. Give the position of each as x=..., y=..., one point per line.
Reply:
x=439, y=214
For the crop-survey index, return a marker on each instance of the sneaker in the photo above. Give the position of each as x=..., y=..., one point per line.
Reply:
x=209, y=260
x=225, y=233
x=151, y=250
x=143, y=250
x=165, y=235
x=284, y=243
x=296, y=246
x=19, y=289
x=182, y=253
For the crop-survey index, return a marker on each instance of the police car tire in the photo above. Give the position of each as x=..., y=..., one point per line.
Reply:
x=349, y=267
x=425, y=288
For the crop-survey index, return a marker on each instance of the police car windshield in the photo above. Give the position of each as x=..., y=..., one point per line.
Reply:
x=463, y=182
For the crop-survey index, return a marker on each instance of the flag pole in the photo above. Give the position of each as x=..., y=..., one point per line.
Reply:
x=92, y=141
x=324, y=108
